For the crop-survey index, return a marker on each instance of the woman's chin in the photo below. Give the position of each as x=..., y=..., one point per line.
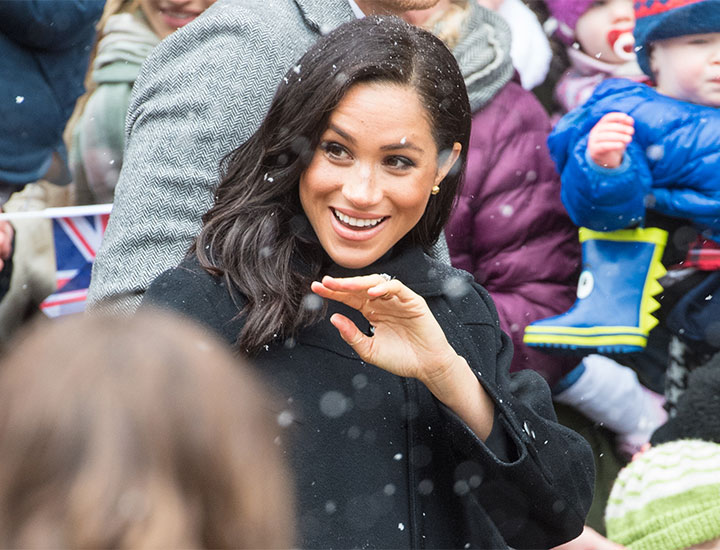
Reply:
x=354, y=258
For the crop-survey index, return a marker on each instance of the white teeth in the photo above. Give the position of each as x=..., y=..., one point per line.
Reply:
x=356, y=222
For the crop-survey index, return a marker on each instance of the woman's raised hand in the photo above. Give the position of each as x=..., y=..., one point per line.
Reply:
x=407, y=340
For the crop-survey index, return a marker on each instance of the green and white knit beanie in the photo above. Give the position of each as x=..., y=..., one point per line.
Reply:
x=668, y=498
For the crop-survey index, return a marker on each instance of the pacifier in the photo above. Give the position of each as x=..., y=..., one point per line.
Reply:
x=623, y=43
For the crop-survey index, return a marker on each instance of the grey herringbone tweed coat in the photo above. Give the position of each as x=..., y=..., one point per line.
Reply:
x=201, y=93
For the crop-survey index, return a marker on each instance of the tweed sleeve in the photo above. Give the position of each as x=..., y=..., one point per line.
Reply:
x=201, y=93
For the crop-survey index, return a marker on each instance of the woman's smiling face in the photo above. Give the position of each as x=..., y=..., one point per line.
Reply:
x=371, y=176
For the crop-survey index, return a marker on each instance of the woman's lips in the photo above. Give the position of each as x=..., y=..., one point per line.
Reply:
x=177, y=19
x=353, y=233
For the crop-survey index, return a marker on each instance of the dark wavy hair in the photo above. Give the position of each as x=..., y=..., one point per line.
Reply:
x=256, y=235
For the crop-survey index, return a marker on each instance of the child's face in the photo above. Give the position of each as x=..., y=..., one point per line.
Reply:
x=688, y=68
x=604, y=31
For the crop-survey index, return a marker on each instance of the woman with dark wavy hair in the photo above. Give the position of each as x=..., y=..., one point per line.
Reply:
x=406, y=428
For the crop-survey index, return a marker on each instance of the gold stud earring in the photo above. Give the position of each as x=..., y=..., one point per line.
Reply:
x=435, y=190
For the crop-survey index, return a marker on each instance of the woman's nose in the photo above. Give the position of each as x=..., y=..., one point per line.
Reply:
x=361, y=187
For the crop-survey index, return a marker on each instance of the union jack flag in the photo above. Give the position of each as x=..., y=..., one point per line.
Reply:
x=77, y=232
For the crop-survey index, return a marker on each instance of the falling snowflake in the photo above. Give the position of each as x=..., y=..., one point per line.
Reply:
x=655, y=152
x=334, y=404
x=285, y=418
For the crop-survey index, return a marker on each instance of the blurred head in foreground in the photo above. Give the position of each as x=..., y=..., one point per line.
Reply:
x=135, y=433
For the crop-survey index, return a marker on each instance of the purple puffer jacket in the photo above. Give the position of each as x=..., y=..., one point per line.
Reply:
x=509, y=228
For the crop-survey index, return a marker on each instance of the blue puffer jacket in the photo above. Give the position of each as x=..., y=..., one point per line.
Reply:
x=44, y=52
x=671, y=166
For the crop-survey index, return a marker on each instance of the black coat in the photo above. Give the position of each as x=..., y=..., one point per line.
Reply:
x=378, y=461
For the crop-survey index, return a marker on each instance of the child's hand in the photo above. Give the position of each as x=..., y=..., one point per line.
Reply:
x=609, y=138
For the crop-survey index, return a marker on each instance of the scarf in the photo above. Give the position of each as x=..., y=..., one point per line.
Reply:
x=127, y=40
x=480, y=41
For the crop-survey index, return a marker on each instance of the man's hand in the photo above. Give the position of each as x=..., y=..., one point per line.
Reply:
x=609, y=138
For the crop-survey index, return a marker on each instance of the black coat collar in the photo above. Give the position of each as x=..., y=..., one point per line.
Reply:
x=413, y=267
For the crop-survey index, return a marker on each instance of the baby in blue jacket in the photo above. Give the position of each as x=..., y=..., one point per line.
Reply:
x=638, y=163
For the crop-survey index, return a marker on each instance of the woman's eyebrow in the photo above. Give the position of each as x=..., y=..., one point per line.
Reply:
x=341, y=133
x=402, y=145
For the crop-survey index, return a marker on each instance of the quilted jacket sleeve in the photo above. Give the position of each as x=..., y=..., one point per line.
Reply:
x=606, y=199
x=509, y=227
x=670, y=166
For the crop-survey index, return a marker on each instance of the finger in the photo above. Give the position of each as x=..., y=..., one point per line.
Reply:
x=352, y=284
x=614, y=129
x=354, y=300
x=610, y=135
x=321, y=290
x=352, y=335
x=613, y=138
x=615, y=145
x=388, y=289
x=619, y=117
x=609, y=147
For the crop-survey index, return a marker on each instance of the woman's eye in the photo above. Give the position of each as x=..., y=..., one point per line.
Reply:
x=398, y=162
x=335, y=150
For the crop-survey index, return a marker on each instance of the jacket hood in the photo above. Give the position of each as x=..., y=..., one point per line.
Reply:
x=127, y=40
